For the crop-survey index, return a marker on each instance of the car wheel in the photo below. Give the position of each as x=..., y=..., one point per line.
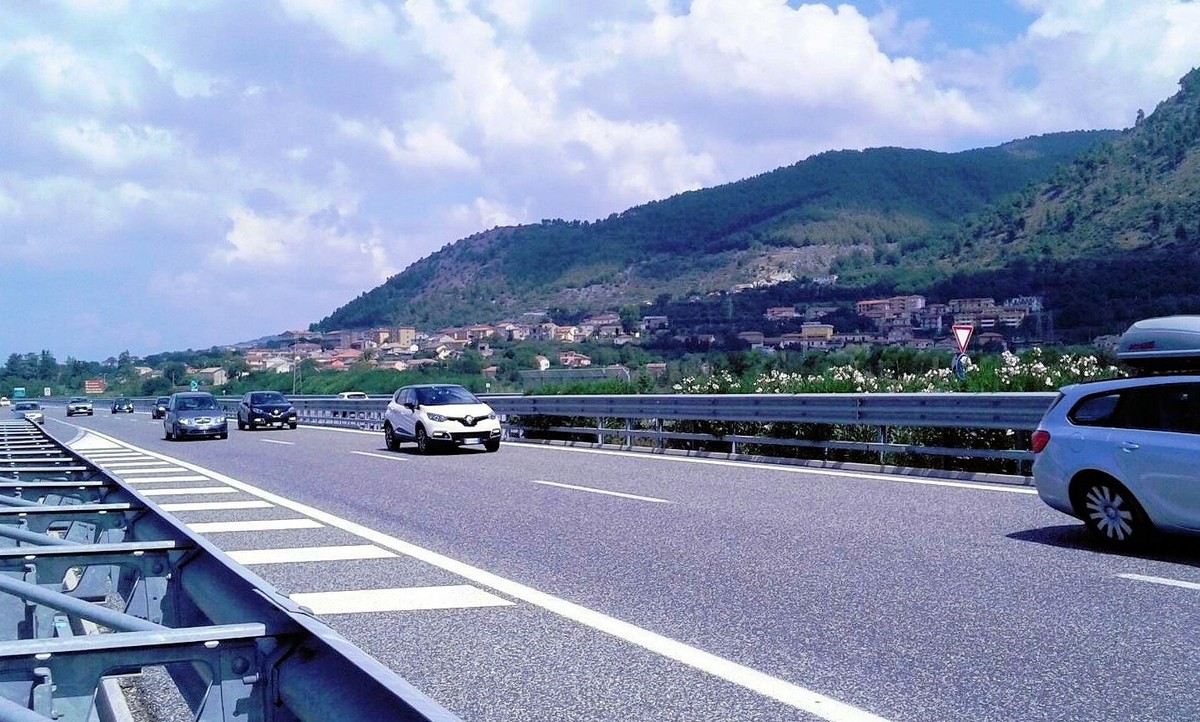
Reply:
x=422, y=440
x=168, y=433
x=251, y=424
x=292, y=426
x=492, y=445
x=241, y=424
x=223, y=436
x=1112, y=514
x=389, y=438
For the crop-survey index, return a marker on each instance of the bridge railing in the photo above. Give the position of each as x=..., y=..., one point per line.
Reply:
x=95, y=582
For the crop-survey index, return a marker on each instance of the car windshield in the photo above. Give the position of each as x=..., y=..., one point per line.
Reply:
x=162, y=400
x=77, y=400
x=197, y=403
x=267, y=397
x=444, y=396
x=26, y=406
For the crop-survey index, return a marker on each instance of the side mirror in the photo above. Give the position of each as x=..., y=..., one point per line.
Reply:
x=410, y=406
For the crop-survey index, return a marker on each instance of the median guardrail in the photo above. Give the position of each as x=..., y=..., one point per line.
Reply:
x=901, y=426
x=81, y=552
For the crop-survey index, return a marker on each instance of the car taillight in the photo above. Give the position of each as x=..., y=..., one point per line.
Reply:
x=1039, y=440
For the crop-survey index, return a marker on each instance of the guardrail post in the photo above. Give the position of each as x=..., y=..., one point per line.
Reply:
x=600, y=430
x=628, y=433
x=881, y=437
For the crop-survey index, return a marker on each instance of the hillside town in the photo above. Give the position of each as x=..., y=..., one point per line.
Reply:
x=907, y=321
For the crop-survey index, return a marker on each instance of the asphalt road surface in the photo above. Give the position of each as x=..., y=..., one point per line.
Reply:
x=544, y=583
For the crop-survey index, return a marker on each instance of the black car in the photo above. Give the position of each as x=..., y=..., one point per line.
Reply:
x=265, y=408
x=159, y=409
x=122, y=405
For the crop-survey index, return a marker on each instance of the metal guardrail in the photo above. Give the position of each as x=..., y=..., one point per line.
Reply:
x=647, y=418
x=77, y=546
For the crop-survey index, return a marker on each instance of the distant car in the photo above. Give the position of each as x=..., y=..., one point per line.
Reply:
x=4, y=401
x=194, y=414
x=434, y=415
x=29, y=410
x=353, y=396
x=159, y=409
x=79, y=405
x=122, y=405
x=265, y=408
x=1122, y=456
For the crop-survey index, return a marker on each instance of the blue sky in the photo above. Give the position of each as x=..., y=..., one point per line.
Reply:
x=185, y=173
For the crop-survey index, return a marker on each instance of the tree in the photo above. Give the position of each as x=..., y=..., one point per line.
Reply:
x=174, y=372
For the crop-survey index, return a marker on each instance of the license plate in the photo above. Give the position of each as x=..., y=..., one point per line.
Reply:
x=473, y=440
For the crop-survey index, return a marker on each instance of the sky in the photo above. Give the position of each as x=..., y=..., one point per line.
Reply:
x=179, y=174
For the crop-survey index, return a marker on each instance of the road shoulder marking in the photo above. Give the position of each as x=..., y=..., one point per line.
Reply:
x=1161, y=580
x=590, y=490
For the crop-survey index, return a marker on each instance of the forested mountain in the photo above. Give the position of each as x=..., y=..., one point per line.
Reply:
x=1017, y=218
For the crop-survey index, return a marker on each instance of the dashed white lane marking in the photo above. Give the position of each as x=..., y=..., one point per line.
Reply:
x=389, y=457
x=604, y=491
x=1161, y=580
x=140, y=480
x=190, y=491
x=277, y=441
x=310, y=554
x=214, y=505
x=895, y=478
x=132, y=464
x=775, y=688
x=458, y=596
x=213, y=527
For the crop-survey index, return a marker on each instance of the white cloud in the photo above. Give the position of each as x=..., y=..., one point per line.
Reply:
x=361, y=26
x=63, y=75
x=117, y=147
x=425, y=146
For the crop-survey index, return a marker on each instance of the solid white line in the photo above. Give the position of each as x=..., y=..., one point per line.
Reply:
x=310, y=554
x=458, y=596
x=162, y=479
x=277, y=441
x=1161, y=580
x=189, y=491
x=389, y=457
x=897, y=478
x=214, y=505
x=603, y=491
x=778, y=689
x=214, y=527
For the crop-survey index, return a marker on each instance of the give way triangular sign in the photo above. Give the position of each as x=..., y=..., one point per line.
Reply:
x=962, y=336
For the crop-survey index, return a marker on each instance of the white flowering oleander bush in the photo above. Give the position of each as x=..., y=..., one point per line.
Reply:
x=1033, y=370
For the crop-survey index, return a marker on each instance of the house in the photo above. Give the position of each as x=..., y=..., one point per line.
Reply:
x=656, y=369
x=542, y=363
x=754, y=338
x=212, y=376
x=779, y=313
x=655, y=323
x=571, y=359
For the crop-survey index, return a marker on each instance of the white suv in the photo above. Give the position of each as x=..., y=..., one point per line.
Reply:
x=1123, y=456
x=439, y=415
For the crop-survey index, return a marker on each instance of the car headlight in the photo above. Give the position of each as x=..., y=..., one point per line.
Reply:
x=436, y=418
x=187, y=422
x=492, y=416
x=256, y=410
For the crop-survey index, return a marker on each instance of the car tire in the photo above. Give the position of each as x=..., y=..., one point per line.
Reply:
x=390, y=440
x=241, y=424
x=1112, y=514
x=423, y=445
x=168, y=433
x=492, y=446
x=223, y=436
x=292, y=426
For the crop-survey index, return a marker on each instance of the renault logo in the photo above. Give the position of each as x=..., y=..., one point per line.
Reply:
x=469, y=421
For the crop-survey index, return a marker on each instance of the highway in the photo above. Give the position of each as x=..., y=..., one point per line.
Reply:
x=544, y=583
